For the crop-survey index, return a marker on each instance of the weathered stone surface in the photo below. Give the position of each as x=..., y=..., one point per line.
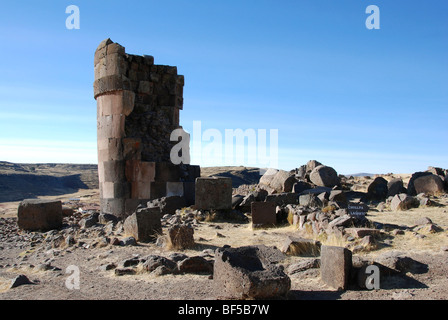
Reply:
x=304, y=265
x=181, y=237
x=213, y=193
x=394, y=187
x=20, y=280
x=336, y=264
x=44, y=215
x=152, y=262
x=168, y=205
x=378, y=189
x=324, y=176
x=430, y=185
x=361, y=232
x=246, y=273
x=300, y=247
x=403, y=201
x=300, y=186
x=263, y=214
x=195, y=264
x=144, y=225
x=411, y=188
x=282, y=181
x=312, y=164
x=282, y=199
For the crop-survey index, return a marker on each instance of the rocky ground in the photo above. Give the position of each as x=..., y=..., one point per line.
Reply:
x=112, y=266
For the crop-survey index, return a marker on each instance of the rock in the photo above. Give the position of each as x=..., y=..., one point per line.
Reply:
x=108, y=266
x=237, y=200
x=104, y=218
x=246, y=273
x=423, y=221
x=67, y=211
x=90, y=221
x=129, y=262
x=282, y=199
x=362, y=232
x=311, y=165
x=300, y=247
x=154, y=261
x=267, y=177
x=309, y=200
x=263, y=214
x=144, y=224
x=168, y=205
x=343, y=221
x=20, y=280
x=324, y=176
x=176, y=256
x=398, y=262
x=378, y=189
x=125, y=271
x=336, y=264
x=429, y=185
x=282, y=181
x=300, y=186
x=43, y=215
x=303, y=265
x=128, y=241
x=213, y=193
x=181, y=237
x=394, y=187
x=416, y=175
x=195, y=264
x=403, y=201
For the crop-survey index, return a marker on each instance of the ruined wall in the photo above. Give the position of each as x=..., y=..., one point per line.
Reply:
x=138, y=105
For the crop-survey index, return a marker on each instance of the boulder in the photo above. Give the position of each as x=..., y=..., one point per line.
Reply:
x=324, y=176
x=300, y=186
x=283, y=181
x=378, y=189
x=335, y=266
x=168, y=205
x=429, y=184
x=403, y=201
x=311, y=165
x=195, y=264
x=416, y=175
x=248, y=273
x=144, y=224
x=152, y=262
x=181, y=237
x=263, y=214
x=43, y=215
x=394, y=187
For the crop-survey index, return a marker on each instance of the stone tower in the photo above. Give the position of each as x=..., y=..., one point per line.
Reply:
x=138, y=106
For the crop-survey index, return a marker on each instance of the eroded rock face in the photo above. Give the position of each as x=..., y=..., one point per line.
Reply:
x=43, y=215
x=250, y=272
x=324, y=176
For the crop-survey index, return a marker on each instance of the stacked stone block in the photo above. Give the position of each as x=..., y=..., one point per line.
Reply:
x=138, y=106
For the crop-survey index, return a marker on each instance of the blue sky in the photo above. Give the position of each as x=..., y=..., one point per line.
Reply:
x=356, y=99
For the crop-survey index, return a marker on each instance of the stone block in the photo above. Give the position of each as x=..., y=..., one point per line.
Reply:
x=132, y=148
x=166, y=171
x=158, y=190
x=336, y=265
x=248, y=273
x=140, y=171
x=144, y=224
x=109, y=149
x=189, y=192
x=213, y=193
x=113, y=206
x=263, y=214
x=113, y=171
x=111, y=126
x=174, y=189
x=43, y=215
x=140, y=190
x=181, y=237
x=115, y=190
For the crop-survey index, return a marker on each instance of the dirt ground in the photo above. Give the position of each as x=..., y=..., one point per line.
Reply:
x=17, y=258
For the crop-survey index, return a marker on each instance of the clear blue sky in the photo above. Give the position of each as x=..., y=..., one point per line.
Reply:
x=356, y=99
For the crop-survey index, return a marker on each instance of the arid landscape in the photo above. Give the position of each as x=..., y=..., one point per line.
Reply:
x=416, y=251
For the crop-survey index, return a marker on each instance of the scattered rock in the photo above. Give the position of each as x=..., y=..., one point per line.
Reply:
x=20, y=280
